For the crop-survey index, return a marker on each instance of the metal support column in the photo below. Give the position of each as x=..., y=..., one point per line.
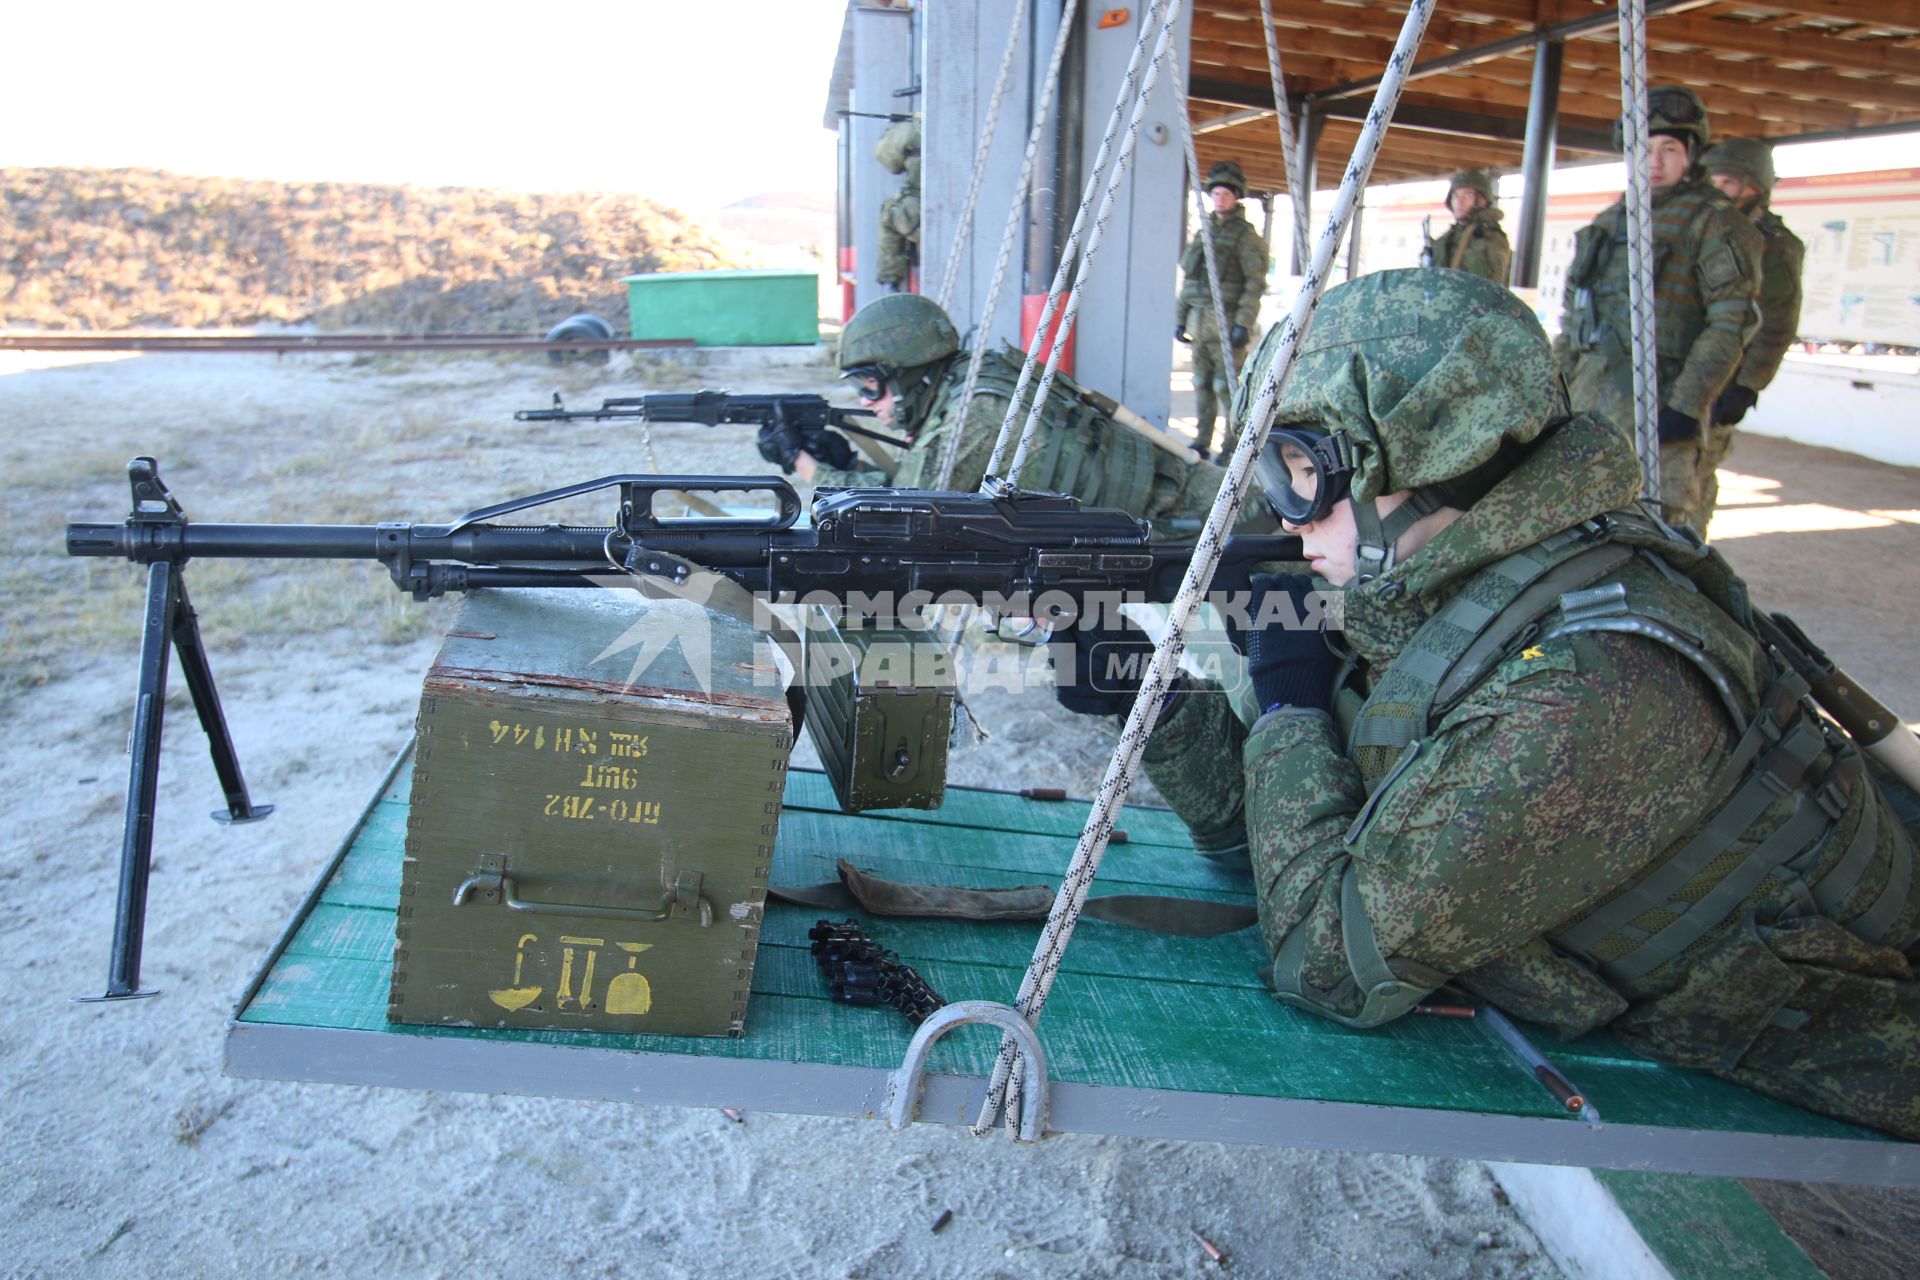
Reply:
x=1543, y=119
x=1311, y=122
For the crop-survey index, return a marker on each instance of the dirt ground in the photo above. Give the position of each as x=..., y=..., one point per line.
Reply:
x=130, y=1153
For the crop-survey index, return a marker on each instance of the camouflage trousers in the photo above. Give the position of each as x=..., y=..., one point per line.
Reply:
x=1719, y=444
x=1597, y=386
x=1212, y=391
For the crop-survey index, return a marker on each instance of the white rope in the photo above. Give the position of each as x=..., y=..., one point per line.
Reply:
x=951, y=276
x=1031, y=432
x=1639, y=200
x=1166, y=657
x=1128, y=81
x=1289, y=149
x=1204, y=203
x=1016, y=220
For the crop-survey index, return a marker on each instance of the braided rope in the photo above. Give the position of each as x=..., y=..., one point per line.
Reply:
x=1128, y=81
x=1203, y=202
x=1166, y=658
x=950, y=277
x=1161, y=51
x=1639, y=201
x=1016, y=220
x=1289, y=149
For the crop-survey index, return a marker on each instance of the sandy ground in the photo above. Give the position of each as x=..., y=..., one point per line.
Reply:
x=130, y=1154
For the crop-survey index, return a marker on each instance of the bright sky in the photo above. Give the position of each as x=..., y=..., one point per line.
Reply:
x=692, y=104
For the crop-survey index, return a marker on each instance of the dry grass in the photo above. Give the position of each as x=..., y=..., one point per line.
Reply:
x=119, y=248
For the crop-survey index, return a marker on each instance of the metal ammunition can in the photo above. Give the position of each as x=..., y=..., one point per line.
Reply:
x=596, y=795
x=880, y=709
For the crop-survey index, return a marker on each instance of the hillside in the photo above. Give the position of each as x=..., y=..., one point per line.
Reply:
x=126, y=248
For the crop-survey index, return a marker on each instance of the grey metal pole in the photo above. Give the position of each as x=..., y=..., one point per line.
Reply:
x=1353, y=236
x=1543, y=121
x=1311, y=122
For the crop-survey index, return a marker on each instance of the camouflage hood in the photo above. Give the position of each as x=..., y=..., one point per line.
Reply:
x=1436, y=376
x=1581, y=466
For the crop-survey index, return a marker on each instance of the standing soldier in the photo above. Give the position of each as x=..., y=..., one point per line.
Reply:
x=1743, y=168
x=898, y=151
x=1475, y=241
x=1241, y=256
x=1706, y=278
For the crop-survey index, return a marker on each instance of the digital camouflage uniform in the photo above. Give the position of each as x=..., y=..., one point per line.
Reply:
x=1240, y=255
x=1706, y=278
x=1781, y=260
x=1559, y=837
x=1080, y=449
x=899, y=152
x=1474, y=243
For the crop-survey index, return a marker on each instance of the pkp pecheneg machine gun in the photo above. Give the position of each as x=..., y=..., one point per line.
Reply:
x=871, y=543
x=801, y=421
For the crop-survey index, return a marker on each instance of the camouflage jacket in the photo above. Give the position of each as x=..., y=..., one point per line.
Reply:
x=1571, y=768
x=1780, y=264
x=1476, y=243
x=1706, y=281
x=1241, y=257
x=1081, y=450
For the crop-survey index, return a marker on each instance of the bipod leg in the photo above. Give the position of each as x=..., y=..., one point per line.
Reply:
x=143, y=781
x=185, y=625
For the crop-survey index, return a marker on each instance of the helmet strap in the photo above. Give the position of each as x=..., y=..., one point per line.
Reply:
x=1374, y=553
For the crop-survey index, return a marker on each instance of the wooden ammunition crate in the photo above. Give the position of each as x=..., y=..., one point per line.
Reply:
x=594, y=810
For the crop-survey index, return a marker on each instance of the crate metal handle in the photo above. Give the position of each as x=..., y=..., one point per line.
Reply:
x=496, y=884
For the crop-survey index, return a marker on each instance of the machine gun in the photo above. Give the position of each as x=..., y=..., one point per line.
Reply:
x=1042, y=553
x=803, y=421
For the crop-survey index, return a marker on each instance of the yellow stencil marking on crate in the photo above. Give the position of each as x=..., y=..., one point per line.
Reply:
x=564, y=998
x=517, y=997
x=629, y=992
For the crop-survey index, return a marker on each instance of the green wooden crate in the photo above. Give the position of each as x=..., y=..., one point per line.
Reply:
x=767, y=308
x=592, y=818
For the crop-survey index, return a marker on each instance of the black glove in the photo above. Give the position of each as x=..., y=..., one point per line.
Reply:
x=1108, y=665
x=1180, y=333
x=1676, y=427
x=1289, y=666
x=1733, y=404
x=830, y=447
x=780, y=443
x=1238, y=335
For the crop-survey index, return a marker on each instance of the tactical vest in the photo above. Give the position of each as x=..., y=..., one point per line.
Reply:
x=1077, y=450
x=1597, y=277
x=1582, y=580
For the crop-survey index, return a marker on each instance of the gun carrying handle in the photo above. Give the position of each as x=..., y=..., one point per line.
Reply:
x=638, y=494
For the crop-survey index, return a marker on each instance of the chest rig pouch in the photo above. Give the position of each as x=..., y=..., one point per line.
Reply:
x=1741, y=852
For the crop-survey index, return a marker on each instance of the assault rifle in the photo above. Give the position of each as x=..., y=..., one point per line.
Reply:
x=802, y=421
x=874, y=543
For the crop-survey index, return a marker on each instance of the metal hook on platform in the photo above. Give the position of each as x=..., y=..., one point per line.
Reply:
x=903, y=1086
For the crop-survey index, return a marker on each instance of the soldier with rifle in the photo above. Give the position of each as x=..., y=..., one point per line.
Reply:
x=1555, y=757
x=1475, y=241
x=908, y=365
x=1240, y=256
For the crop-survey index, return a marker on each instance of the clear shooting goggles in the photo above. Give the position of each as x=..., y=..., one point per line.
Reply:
x=1304, y=471
x=859, y=374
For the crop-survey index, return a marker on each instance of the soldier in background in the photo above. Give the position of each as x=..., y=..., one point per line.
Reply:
x=1706, y=277
x=1475, y=241
x=908, y=366
x=898, y=151
x=1743, y=169
x=1241, y=257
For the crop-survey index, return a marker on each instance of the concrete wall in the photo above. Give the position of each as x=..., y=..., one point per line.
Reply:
x=882, y=63
x=964, y=46
x=1868, y=407
x=1124, y=343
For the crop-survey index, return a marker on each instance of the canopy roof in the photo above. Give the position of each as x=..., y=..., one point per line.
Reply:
x=1784, y=69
